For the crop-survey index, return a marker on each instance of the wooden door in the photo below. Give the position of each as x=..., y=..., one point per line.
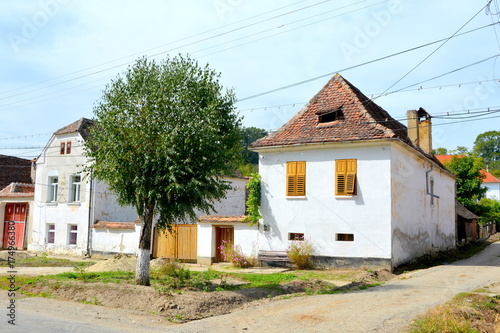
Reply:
x=15, y=215
x=181, y=244
x=223, y=235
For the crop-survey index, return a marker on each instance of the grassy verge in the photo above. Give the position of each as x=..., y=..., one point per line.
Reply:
x=466, y=312
x=45, y=262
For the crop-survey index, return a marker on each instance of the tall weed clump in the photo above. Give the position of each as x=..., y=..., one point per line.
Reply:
x=300, y=252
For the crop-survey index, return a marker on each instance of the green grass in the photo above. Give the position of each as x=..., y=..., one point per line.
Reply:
x=44, y=262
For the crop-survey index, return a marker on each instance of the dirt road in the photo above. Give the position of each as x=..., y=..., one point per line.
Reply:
x=387, y=308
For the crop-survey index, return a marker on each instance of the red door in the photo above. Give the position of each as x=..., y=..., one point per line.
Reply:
x=223, y=235
x=15, y=221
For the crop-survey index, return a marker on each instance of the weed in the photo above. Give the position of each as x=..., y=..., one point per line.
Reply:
x=234, y=255
x=300, y=253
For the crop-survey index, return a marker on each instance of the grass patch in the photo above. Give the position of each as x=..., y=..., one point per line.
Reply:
x=45, y=262
x=466, y=312
x=264, y=280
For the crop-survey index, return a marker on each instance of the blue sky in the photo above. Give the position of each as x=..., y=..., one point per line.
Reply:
x=57, y=56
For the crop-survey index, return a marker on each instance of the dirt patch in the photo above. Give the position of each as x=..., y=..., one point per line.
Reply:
x=18, y=255
x=124, y=263
x=181, y=306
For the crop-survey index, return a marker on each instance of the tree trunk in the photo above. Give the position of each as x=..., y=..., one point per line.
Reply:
x=143, y=256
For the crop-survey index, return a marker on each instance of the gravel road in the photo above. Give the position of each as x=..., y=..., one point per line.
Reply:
x=386, y=308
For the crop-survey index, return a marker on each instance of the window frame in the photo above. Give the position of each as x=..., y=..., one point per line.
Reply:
x=53, y=189
x=296, y=236
x=51, y=231
x=346, y=174
x=75, y=188
x=72, y=232
x=344, y=237
x=295, y=179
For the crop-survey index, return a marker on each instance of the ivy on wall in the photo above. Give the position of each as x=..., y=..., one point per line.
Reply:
x=253, y=202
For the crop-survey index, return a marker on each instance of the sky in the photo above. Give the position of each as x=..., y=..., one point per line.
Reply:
x=56, y=57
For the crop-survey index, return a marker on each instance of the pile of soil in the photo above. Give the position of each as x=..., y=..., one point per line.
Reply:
x=118, y=263
x=184, y=306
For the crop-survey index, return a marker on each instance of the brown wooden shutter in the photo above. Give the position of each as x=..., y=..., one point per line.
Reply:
x=350, y=187
x=291, y=171
x=63, y=148
x=345, y=177
x=68, y=147
x=301, y=179
x=296, y=178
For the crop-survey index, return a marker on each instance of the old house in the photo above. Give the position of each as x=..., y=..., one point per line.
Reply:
x=68, y=202
x=16, y=200
x=362, y=187
x=492, y=185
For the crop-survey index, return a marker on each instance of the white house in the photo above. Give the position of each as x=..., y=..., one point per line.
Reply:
x=492, y=185
x=67, y=202
x=365, y=189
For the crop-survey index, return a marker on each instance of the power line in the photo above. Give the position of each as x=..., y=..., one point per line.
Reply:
x=359, y=65
x=440, y=46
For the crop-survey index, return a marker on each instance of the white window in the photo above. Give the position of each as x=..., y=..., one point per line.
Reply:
x=75, y=185
x=51, y=233
x=52, y=190
x=72, y=234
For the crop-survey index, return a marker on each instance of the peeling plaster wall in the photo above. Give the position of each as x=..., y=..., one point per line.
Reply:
x=62, y=213
x=321, y=215
x=420, y=227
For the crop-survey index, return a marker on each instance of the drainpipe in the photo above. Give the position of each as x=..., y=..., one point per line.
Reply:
x=91, y=210
x=427, y=183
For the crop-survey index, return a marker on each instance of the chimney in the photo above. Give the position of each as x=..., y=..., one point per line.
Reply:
x=420, y=129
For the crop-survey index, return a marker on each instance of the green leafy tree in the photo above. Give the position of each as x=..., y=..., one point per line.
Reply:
x=468, y=170
x=490, y=210
x=249, y=135
x=487, y=146
x=165, y=133
x=440, y=151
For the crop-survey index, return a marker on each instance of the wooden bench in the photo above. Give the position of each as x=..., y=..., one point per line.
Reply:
x=273, y=256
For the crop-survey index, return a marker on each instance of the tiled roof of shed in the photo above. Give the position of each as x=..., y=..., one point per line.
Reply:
x=14, y=169
x=224, y=219
x=362, y=119
x=81, y=126
x=114, y=225
x=18, y=190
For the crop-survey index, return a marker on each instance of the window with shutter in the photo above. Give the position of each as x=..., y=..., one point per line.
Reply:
x=68, y=147
x=345, y=177
x=296, y=178
x=63, y=148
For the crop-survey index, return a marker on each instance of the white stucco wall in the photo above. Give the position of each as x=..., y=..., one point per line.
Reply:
x=107, y=208
x=320, y=215
x=419, y=226
x=493, y=191
x=116, y=240
x=62, y=213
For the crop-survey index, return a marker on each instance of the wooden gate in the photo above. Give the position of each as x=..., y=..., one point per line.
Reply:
x=15, y=215
x=226, y=234
x=181, y=244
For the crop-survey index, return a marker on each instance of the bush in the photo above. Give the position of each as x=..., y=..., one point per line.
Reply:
x=172, y=274
x=233, y=254
x=300, y=253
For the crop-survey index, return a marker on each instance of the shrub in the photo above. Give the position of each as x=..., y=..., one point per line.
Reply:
x=300, y=253
x=172, y=274
x=233, y=254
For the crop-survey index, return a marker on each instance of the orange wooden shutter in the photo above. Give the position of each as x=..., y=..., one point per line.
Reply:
x=345, y=177
x=291, y=171
x=350, y=187
x=301, y=179
x=340, y=176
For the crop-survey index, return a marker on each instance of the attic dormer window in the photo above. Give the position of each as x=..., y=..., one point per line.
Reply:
x=328, y=116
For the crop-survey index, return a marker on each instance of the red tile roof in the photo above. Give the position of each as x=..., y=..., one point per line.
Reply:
x=489, y=178
x=81, y=126
x=14, y=169
x=361, y=119
x=18, y=190
x=114, y=225
x=225, y=219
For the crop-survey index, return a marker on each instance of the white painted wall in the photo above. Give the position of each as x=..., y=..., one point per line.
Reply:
x=418, y=226
x=246, y=237
x=493, y=191
x=107, y=208
x=116, y=241
x=320, y=214
x=61, y=213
